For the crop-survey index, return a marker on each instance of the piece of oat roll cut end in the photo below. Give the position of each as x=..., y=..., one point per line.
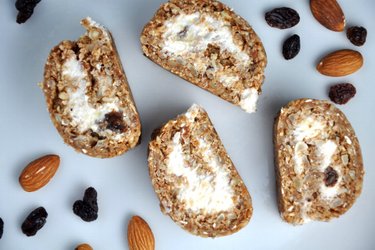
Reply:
x=319, y=167
x=209, y=45
x=88, y=95
x=195, y=180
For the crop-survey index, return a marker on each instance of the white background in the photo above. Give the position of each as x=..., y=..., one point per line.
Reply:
x=123, y=184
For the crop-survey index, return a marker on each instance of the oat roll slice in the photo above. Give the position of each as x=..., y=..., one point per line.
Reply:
x=88, y=95
x=195, y=180
x=209, y=45
x=319, y=167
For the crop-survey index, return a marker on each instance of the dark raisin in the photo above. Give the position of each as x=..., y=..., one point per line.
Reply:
x=26, y=9
x=357, y=35
x=115, y=122
x=342, y=93
x=91, y=197
x=1, y=227
x=291, y=47
x=87, y=208
x=183, y=32
x=34, y=221
x=282, y=18
x=84, y=211
x=330, y=177
x=96, y=135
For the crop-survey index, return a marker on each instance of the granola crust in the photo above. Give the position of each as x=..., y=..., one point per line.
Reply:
x=169, y=186
x=88, y=96
x=206, y=68
x=318, y=161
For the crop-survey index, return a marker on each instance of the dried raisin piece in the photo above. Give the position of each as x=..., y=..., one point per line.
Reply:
x=87, y=208
x=115, y=122
x=1, y=227
x=282, y=18
x=91, y=197
x=26, y=9
x=34, y=221
x=291, y=47
x=342, y=93
x=357, y=35
x=330, y=177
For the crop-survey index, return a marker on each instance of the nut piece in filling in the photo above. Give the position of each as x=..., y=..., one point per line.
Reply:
x=319, y=167
x=209, y=45
x=195, y=180
x=88, y=95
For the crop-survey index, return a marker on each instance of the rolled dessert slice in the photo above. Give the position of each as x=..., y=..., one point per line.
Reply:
x=194, y=178
x=88, y=95
x=209, y=45
x=319, y=168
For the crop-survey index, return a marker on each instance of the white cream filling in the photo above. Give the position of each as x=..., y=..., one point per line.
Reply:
x=308, y=128
x=326, y=152
x=228, y=80
x=249, y=99
x=300, y=152
x=83, y=115
x=193, y=112
x=92, y=23
x=191, y=33
x=329, y=193
x=211, y=193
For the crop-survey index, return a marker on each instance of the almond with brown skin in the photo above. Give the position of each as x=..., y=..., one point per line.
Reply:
x=341, y=63
x=329, y=14
x=140, y=236
x=39, y=172
x=84, y=247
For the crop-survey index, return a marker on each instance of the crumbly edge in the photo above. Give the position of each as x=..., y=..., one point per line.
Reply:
x=53, y=87
x=242, y=32
x=286, y=188
x=211, y=225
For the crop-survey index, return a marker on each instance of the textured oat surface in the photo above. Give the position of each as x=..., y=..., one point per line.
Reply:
x=88, y=95
x=209, y=45
x=319, y=166
x=201, y=150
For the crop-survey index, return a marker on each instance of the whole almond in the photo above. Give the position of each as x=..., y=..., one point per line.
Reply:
x=39, y=172
x=140, y=236
x=340, y=63
x=84, y=247
x=328, y=13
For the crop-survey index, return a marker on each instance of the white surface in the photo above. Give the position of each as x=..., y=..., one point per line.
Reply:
x=123, y=185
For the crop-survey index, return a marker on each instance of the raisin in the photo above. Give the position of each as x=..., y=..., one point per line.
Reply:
x=87, y=208
x=1, y=227
x=34, y=221
x=115, y=122
x=330, y=177
x=357, y=35
x=183, y=32
x=342, y=93
x=26, y=9
x=291, y=47
x=282, y=18
x=97, y=136
x=91, y=197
